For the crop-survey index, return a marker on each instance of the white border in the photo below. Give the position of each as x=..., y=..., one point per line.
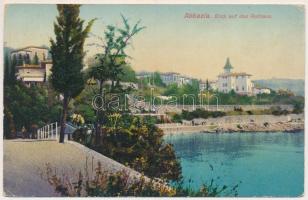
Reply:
x=285, y=2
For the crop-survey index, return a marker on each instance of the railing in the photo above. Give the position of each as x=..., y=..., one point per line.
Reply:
x=49, y=131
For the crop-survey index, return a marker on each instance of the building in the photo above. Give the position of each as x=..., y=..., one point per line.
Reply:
x=239, y=82
x=31, y=52
x=257, y=90
x=212, y=85
x=175, y=78
x=34, y=74
x=167, y=78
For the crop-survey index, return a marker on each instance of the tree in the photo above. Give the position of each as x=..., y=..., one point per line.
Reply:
x=35, y=59
x=157, y=80
x=12, y=71
x=207, y=85
x=20, y=60
x=6, y=68
x=128, y=75
x=112, y=58
x=67, y=55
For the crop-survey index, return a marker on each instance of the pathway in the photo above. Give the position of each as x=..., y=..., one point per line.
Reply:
x=23, y=158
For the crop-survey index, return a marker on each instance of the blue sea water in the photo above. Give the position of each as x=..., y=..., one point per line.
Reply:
x=264, y=164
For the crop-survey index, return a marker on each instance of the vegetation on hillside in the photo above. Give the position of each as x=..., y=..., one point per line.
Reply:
x=104, y=184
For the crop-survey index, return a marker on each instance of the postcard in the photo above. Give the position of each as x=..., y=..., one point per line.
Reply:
x=153, y=99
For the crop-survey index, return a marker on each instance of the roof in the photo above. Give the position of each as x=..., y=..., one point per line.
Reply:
x=169, y=73
x=27, y=47
x=234, y=74
x=29, y=66
x=46, y=61
x=228, y=64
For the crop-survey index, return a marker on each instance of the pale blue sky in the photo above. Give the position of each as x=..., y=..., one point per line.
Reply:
x=197, y=47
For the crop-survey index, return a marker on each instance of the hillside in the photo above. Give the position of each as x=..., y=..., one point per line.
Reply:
x=295, y=85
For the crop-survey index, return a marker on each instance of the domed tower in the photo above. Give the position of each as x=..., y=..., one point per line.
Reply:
x=228, y=67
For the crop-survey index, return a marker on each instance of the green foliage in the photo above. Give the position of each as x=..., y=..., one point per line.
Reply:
x=120, y=184
x=177, y=118
x=138, y=143
x=112, y=64
x=276, y=110
x=299, y=106
x=35, y=60
x=12, y=71
x=27, y=107
x=171, y=89
x=19, y=60
x=157, y=80
x=67, y=55
x=201, y=113
x=67, y=51
x=128, y=74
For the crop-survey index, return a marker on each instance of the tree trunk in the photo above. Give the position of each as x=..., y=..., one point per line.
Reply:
x=63, y=119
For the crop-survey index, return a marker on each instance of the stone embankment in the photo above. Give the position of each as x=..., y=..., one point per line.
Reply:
x=241, y=123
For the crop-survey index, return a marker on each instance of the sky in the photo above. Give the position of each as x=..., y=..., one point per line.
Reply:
x=264, y=47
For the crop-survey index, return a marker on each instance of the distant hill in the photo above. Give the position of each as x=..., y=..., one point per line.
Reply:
x=295, y=85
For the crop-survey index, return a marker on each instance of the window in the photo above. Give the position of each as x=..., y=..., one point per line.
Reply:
x=243, y=88
x=236, y=88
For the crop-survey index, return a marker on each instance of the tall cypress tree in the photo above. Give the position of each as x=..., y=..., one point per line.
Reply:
x=12, y=70
x=67, y=56
x=6, y=68
x=35, y=59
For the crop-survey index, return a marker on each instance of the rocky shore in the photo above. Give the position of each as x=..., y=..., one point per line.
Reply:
x=267, y=123
x=254, y=127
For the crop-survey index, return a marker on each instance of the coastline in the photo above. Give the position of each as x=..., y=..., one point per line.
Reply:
x=274, y=125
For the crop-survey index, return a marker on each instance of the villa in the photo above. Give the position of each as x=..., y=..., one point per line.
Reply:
x=172, y=77
x=31, y=51
x=212, y=85
x=167, y=78
x=32, y=73
x=238, y=82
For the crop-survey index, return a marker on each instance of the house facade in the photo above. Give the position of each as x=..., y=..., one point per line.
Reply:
x=212, y=85
x=257, y=90
x=239, y=82
x=175, y=78
x=32, y=73
x=31, y=52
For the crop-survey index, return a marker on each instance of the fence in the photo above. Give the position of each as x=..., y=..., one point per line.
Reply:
x=49, y=131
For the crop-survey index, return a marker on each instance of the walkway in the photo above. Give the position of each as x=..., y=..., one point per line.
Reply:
x=24, y=158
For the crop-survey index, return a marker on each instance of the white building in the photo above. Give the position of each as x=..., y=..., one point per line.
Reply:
x=261, y=91
x=172, y=77
x=239, y=82
x=212, y=85
x=31, y=73
x=34, y=74
x=31, y=51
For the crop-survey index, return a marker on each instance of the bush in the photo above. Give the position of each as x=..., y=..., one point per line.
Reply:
x=200, y=113
x=278, y=111
x=137, y=143
x=104, y=184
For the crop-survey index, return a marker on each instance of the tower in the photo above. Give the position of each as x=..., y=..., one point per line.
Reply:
x=228, y=67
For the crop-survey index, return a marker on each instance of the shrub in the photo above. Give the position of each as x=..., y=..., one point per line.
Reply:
x=104, y=184
x=137, y=143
